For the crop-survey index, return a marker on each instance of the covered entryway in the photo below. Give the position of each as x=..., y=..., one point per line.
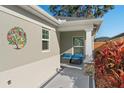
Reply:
x=77, y=36
x=72, y=42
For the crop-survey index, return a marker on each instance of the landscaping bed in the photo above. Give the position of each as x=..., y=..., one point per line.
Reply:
x=109, y=65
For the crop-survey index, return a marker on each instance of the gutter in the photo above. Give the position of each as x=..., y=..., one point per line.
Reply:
x=40, y=13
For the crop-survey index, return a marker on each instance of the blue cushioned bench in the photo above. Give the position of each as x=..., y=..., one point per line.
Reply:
x=67, y=56
x=77, y=58
x=74, y=59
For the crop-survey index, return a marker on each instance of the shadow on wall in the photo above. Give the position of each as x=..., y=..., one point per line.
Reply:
x=66, y=42
x=58, y=39
x=65, y=46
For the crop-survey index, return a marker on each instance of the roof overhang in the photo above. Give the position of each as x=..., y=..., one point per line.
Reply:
x=64, y=26
x=80, y=25
x=37, y=11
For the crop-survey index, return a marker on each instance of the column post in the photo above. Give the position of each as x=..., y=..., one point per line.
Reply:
x=88, y=46
x=93, y=37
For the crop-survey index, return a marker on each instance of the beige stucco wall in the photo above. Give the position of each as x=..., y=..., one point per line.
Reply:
x=36, y=65
x=30, y=75
x=66, y=40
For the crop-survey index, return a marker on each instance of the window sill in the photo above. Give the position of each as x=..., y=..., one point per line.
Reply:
x=45, y=50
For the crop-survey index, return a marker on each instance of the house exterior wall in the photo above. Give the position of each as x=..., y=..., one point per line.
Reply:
x=66, y=40
x=29, y=66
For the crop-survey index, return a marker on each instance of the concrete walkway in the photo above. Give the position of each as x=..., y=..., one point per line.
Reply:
x=69, y=77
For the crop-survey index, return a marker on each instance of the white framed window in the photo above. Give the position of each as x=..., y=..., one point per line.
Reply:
x=78, y=44
x=45, y=39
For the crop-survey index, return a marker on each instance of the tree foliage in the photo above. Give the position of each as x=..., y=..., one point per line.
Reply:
x=86, y=11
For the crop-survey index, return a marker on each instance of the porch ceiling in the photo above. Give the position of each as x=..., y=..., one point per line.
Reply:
x=80, y=25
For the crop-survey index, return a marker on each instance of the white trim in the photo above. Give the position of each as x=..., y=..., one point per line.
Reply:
x=36, y=10
x=13, y=13
x=82, y=22
x=47, y=50
x=77, y=46
x=45, y=39
x=44, y=13
x=78, y=25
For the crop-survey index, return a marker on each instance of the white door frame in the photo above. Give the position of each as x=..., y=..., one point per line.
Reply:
x=77, y=46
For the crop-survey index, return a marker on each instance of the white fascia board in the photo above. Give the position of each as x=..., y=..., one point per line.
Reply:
x=45, y=13
x=82, y=22
x=80, y=25
x=72, y=28
x=40, y=13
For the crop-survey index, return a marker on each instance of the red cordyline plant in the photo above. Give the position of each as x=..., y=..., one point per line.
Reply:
x=109, y=65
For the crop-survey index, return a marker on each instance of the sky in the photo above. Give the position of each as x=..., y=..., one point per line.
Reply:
x=113, y=21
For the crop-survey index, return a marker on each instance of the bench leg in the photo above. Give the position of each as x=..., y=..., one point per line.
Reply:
x=70, y=60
